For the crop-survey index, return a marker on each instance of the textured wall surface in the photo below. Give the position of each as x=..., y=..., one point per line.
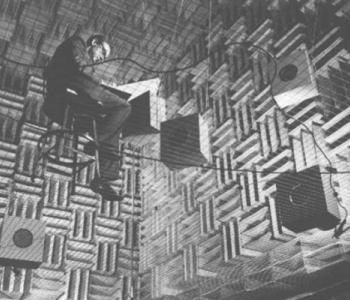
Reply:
x=196, y=233
x=216, y=233
x=90, y=245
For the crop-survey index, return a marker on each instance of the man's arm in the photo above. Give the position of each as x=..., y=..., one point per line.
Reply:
x=79, y=52
x=82, y=58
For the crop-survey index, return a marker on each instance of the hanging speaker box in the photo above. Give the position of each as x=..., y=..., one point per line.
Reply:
x=294, y=82
x=144, y=116
x=184, y=142
x=22, y=242
x=305, y=200
x=140, y=120
x=147, y=108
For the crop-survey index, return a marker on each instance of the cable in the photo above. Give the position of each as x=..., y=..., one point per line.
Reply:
x=246, y=44
x=235, y=182
x=203, y=166
x=192, y=65
x=115, y=59
x=286, y=114
x=335, y=193
x=208, y=167
x=69, y=231
x=209, y=44
x=216, y=168
x=132, y=230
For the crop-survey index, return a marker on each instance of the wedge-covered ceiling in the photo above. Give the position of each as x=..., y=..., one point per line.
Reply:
x=154, y=33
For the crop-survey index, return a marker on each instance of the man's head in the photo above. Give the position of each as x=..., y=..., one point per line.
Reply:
x=97, y=48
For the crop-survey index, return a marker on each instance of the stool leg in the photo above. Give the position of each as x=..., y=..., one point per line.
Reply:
x=97, y=154
x=59, y=145
x=40, y=154
x=68, y=121
x=75, y=160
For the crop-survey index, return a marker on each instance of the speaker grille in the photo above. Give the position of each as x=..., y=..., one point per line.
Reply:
x=182, y=142
x=304, y=201
x=23, y=238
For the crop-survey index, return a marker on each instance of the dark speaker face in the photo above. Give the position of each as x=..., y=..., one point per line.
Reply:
x=180, y=135
x=23, y=238
x=180, y=142
x=300, y=194
x=139, y=120
x=302, y=201
x=288, y=72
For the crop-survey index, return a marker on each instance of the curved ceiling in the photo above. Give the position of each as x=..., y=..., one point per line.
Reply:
x=154, y=33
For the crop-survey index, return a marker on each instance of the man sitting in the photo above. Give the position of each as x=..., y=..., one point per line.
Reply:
x=68, y=70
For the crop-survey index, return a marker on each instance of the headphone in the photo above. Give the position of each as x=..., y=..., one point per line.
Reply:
x=98, y=40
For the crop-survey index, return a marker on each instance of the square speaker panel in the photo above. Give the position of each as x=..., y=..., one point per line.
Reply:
x=294, y=82
x=184, y=142
x=142, y=117
x=22, y=242
x=305, y=200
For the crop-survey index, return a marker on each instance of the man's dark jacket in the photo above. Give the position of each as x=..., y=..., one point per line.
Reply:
x=66, y=65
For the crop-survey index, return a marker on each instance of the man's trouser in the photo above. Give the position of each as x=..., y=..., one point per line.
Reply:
x=116, y=111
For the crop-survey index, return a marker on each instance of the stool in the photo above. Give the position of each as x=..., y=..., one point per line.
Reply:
x=71, y=128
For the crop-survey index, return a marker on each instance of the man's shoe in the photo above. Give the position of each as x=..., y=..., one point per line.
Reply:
x=102, y=187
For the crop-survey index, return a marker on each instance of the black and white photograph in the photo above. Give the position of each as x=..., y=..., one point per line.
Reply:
x=174, y=149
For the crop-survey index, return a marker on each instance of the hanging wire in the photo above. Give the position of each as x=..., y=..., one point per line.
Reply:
x=286, y=114
x=208, y=167
x=337, y=230
x=209, y=44
x=132, y=227
x=124, y=59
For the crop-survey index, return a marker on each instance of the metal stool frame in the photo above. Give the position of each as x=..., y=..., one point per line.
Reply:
x=48, y=155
